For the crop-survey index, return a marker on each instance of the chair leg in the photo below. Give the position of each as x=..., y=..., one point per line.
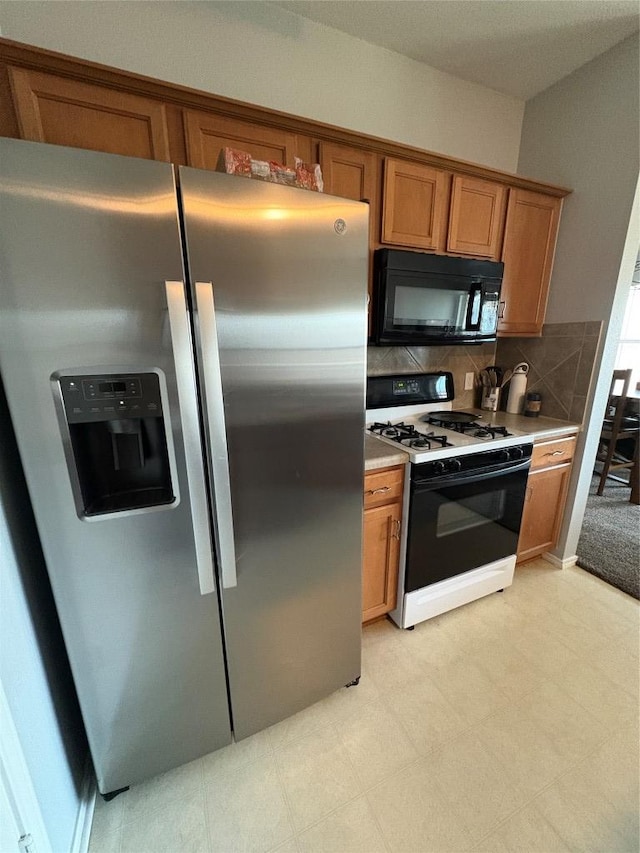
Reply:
x=634, y=474
x=605, y=467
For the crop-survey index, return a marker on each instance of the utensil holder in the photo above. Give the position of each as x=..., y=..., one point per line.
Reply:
x=490, y=399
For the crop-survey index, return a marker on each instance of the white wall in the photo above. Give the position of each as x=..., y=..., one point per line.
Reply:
x=259, y=53
x=584, y=133
x=33, y=669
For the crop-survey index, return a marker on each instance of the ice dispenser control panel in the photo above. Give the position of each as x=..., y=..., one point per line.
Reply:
x=97, y=398
x=118, y=437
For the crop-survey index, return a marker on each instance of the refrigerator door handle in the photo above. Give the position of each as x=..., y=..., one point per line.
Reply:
x=188, y=399
x=220, y=479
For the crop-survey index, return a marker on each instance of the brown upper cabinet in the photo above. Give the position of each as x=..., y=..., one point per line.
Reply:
x=529, y=244
x=69, y=112
x=426, y=201
x=476, y=221
x=348, y=172
x=414, y=205
x=207, y=134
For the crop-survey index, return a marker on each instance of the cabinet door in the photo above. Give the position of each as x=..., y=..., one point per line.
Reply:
x=476, y=219
x=543, y=510
x=208, y=133
x=415, y=202
x=348, y=172
x=529, y=243
x=380, y=560
x=66, y=112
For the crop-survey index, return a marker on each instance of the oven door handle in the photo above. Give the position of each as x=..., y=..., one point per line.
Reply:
x=468, y=477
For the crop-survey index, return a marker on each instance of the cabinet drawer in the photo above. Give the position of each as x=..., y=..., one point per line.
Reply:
x=384, y=486
x=553, y=452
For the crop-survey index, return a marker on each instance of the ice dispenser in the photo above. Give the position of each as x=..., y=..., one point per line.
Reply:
x=117, y=436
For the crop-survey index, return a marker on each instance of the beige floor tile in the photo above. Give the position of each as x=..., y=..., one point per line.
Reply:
x=525, y=832
x=301, y=724
x=290, y=846
x=475, y=783
x=604, y=699
x=316, y=775
x=544, y=651
x=246, y=809
x=351, y=829
x=571, y=729
x=414, y=815
x=588, y=822
x=345, y=702
x=599, y=616
x=108, y=816
x=105, y=842
x=618, y=665
x=527, y=753
x=381, y=631
x=180, y=825
x=236, y=755
x=467, y=687
x=391, y=665
x=376, y=744
x=160, y=791
x=573, y=631
x=489, y=725
x=426, y=716
x=507, y=668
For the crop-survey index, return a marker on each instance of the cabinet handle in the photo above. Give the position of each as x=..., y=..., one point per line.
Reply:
x=528, y=494
x=555, y=453
x=379, y=491
x=501, y=308
x=396, y=535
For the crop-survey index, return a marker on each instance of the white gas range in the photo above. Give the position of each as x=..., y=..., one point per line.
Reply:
x=427, y=431
x=465, y=488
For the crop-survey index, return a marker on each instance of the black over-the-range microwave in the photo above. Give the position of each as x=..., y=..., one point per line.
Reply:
x=422, y=299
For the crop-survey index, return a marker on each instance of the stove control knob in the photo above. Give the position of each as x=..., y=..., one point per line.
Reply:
x=504, y=455
x=438, y=468
x=516, y=453
x=454, y=465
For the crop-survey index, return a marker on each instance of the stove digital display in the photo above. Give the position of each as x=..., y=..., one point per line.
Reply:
x=406, y=386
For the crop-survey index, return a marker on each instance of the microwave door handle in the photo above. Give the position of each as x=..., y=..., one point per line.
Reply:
x=188, y=400
x=474, y=307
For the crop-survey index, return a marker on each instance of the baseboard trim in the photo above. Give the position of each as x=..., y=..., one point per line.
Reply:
x=88, y=793
x=558, y=562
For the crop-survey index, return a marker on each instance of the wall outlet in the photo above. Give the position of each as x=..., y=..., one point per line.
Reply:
x=469, y=379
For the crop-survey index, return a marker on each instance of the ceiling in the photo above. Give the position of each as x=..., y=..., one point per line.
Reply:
x=518, y=47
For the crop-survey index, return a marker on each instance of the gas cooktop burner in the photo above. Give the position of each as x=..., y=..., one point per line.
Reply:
x=466, y=424
x=408, y=436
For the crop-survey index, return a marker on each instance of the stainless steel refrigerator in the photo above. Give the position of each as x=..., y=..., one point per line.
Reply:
x=183, y=354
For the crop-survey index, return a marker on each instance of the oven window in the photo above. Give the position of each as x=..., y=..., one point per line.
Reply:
x=467, y=513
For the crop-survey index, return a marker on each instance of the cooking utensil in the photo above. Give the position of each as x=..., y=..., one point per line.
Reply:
x=484, y=378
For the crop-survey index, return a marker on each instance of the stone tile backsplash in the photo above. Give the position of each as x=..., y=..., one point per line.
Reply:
x=458, y=359
x=561, y=363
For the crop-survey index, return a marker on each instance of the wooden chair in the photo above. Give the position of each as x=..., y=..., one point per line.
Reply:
x=614, y=428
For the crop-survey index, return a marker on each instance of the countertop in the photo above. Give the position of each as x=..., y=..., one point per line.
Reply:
x=379, y=454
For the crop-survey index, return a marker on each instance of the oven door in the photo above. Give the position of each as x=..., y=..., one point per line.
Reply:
x=462, y=522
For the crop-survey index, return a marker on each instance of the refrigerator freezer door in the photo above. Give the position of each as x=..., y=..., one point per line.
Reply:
x=288, y=270
x=87, y=241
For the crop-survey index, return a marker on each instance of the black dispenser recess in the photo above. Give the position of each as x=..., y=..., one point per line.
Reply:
x=118, y=438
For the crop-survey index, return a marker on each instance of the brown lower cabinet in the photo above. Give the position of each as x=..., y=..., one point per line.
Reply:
x=546, y=496
x=381, y=548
